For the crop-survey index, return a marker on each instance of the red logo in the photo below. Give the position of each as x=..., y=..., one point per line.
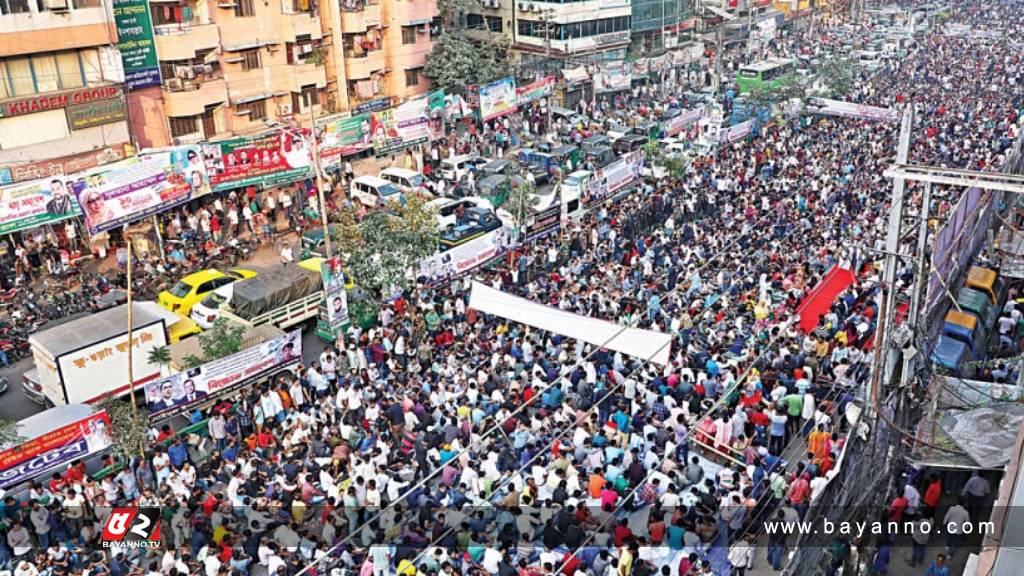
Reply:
x=132, y=528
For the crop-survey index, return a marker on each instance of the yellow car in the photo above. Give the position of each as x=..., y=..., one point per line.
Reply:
x=194, y=287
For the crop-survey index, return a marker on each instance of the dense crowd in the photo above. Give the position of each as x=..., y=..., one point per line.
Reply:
x=442, y=440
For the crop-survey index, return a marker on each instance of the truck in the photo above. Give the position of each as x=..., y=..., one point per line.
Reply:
x=85, y=360
x=283, y=297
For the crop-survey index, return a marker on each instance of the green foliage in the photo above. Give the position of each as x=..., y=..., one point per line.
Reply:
x=127, y=432
x=674, y=165
x=160, y=356
x=222, y=339
x=837, y=75
x=456, y=61
x=9, y=433
x=383, y=248
x=317, y=57
x=521, y=197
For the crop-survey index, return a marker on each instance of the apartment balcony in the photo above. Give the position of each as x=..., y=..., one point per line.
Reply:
x=300, y=20
x=27, y=24
x=307, y=75
x=358, y=16
x=189, y=97
x=361, y=67
x=182, y=41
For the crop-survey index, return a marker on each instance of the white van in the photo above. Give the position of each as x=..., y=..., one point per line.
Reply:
x=374, y=191
x=408, y=181
x=454, y=168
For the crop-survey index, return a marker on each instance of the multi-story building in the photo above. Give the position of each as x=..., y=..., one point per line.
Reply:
x=570, y=32
x=61, y=88
x=378, y=49
x=657, y=24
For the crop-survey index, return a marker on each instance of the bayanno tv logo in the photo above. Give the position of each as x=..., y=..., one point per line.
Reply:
x=132, y=528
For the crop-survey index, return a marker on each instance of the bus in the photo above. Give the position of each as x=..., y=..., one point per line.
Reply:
x=768, y=74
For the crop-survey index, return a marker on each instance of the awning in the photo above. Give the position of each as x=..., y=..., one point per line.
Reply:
x=251, y=45
x=247, y=99
x=574, y=75
x=416, y=67
x=417, y=22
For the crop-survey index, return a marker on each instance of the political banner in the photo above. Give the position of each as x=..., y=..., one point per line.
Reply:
x=344, y=137
x=400, y=127
x=540, y=224
x=736, y=132
x=155, y=181
x=641, y=66
x=679, y=123
x=66, y=444
x=661, y=63
x=827, y=107
x=207, y=384
x=465, y=257
x=613, y=78
x=335, y=297
x=135, y=41
x=615, y=177
x=436, y=110
x=31, y=204
x=498, y=98
x=535, y=90
x=261, y=160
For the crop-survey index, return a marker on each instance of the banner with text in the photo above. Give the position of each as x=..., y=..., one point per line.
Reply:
x=535, y=90
x=335, y=297
x=70, y=442
x=344, y=137
x=616, y=177
x=400, y=127
x=679, y=123
x=158, y=180
x=135, y=41
x=613, y=78
x=827, y=107
x=498, y=98
x=465, y=257
x=261, y=160
x=736, y=132
x=35, y=203
x=213, y=381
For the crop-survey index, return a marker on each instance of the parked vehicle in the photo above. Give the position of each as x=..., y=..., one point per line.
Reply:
x=477, y=222
x=374, y=191
x=961, y=341
x=408, y=181
x=284, y=297
x=195, y=286
x=629, y=143
x=447, y=208
x=454, y=168
x=600, y=156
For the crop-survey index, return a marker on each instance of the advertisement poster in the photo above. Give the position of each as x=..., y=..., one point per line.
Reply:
x=65, y=444
x=206, y=384
x=335, y=297
x=613, y=78
x=95, y=367
x=344, y=137
x=498, y=98
x=736, y=131
x=159, y=180
x=829, y=107
x=616, y=176
x=535, y=90
x=465, y=257
x=679, y=123
x=399, y=127
x=135, y=41
x=542, y=223
x=436, y=109
x=34, y=203
x=264, y=159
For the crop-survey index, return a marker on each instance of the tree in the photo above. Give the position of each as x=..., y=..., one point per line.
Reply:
x=222, y=339
x=383, y=250
x=455, y=62
x=520, y=196
x=674, y=165
x=127, y=432
x=161, y=356
x=837, y=76
x=9, y=436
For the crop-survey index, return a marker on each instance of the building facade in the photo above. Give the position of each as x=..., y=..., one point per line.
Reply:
x=658, y=24
x=61, y=89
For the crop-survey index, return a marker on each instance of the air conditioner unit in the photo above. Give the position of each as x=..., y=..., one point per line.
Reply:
x=56, y=5
x=174, y=84
x=284, y=109
x=524, y=6
x=306, y=48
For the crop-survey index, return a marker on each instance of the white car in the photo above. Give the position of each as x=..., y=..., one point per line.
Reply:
x=446, y=208
x=373, y=191
x=206, y=312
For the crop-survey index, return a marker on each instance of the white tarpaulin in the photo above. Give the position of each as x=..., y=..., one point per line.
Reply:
x=827, y=107
x=636, y=342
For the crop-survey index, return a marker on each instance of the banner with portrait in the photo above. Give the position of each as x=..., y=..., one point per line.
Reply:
x=400, y=127
x=265, y=159
x=344, y=137
x=616, y=177
x=30, y=204
x=335, y=297
x=827, y=107
x=498, y=98
x=157, y=180
x=465, y=257
x=60, y=446
x=535, y=90
x=436, y=110
x=207, y=384
x=613, y=78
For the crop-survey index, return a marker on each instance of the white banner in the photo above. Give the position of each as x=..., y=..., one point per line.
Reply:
x=616, y=176
x=636, y=342
x=676, y=125
x=828, y=107
x=613, y=79
x=464, y=257
x=95, y=368
x=736, y=131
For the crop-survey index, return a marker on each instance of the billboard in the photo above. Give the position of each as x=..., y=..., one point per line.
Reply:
x=676, y=125
x=498, y=98
x=263, y=159
x=464, y=257
x=544, y=222
x=827, y=107
x=535, y=90
x=207, y=384
x=34, y=203
x=135, y=41
x=335, y=297
x=102, y=369
x=613, y=78
x=54, y=448
x=400, y=127
x=157, y=180
x=344, y=137
x=616, y=176
x=736, y=131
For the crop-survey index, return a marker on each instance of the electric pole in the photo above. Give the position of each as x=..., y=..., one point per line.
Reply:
x=546, y=15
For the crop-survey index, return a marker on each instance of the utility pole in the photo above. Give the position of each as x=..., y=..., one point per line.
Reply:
x=315, y=150
x=546, y=14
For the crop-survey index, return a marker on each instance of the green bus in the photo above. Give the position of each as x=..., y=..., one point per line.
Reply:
x=768, y=74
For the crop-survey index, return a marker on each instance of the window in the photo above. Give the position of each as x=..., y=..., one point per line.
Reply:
x=14, y=6
x=251, y=59
x=69, y=67
x=244, y=9
x=183, y=126
x=301, y=101
x=494, y=23
x=257, y=110
x=79, y=4
x=474, y=21
x=209, y=121
x=408, y=35
x=412, y=77
x=44, y=68
x=19, y=72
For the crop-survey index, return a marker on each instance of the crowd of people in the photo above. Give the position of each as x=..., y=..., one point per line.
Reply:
x=444, y=441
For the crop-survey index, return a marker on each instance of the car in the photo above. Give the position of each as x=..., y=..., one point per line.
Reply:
x=446, y=208
x=477, y=222
x=409, y=181
x=455, y=167
x=192, y=288
x=374, y=191
x=312, y=241
x=501, y=166
x=32, y=386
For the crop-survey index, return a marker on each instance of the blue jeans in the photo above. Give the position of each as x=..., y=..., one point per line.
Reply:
x=775, y=555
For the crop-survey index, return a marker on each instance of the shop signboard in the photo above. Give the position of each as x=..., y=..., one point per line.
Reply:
x=498, y=98
x=135, y=41
x=264, y=159
x=63, y=445
x=155, y=181
x=98, y=113
x=31, y=204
